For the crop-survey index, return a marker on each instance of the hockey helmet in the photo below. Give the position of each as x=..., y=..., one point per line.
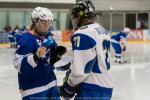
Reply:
x=40, y=13
x=126, y=30
x=82, y=9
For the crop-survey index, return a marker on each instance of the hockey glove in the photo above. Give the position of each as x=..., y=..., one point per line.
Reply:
x=59, y=51
x=64, y=68
x=66, y=91
x=123, y=46
x=47, y=42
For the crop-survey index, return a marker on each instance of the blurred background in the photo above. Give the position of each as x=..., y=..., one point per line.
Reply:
x=114, y=15
x=131, y=80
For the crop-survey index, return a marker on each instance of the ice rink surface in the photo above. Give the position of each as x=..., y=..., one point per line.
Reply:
x=131, y=80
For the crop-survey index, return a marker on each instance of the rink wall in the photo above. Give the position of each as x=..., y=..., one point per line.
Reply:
x=64, y=36
x=134, y=35
x=139, y=35
x=3, y=38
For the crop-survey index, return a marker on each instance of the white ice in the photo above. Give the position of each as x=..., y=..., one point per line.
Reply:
x=131, y=80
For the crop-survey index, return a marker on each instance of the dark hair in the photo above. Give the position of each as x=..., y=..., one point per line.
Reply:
x=7, y=28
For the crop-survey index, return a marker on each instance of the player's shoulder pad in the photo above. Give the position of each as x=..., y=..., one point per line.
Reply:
x=123, y=33
x=25, y=39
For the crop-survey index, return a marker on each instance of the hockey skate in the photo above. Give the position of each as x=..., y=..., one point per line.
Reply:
x=119, y=61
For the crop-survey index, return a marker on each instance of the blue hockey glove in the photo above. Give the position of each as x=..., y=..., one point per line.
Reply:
x=47, y=42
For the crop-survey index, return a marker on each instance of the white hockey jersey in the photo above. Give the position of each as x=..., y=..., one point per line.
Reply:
x=91, y=58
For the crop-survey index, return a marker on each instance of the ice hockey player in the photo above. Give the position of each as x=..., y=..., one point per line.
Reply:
x=90, y=77
x=36, y=78
x=11, y=36
x=118, y=42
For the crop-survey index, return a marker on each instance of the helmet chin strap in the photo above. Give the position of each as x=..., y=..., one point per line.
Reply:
x=80, y=22
x=78, y=25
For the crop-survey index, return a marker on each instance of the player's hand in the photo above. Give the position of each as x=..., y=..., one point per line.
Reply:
x=123, y=46
x=41, y=52
x=66, y=91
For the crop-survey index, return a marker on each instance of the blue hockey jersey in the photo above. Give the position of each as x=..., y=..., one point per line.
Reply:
x=11, y=37
x=119, y=36
x=33, y=78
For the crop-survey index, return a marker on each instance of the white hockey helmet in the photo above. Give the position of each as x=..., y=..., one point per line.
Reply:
x=126, y=30
x=42, y=13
